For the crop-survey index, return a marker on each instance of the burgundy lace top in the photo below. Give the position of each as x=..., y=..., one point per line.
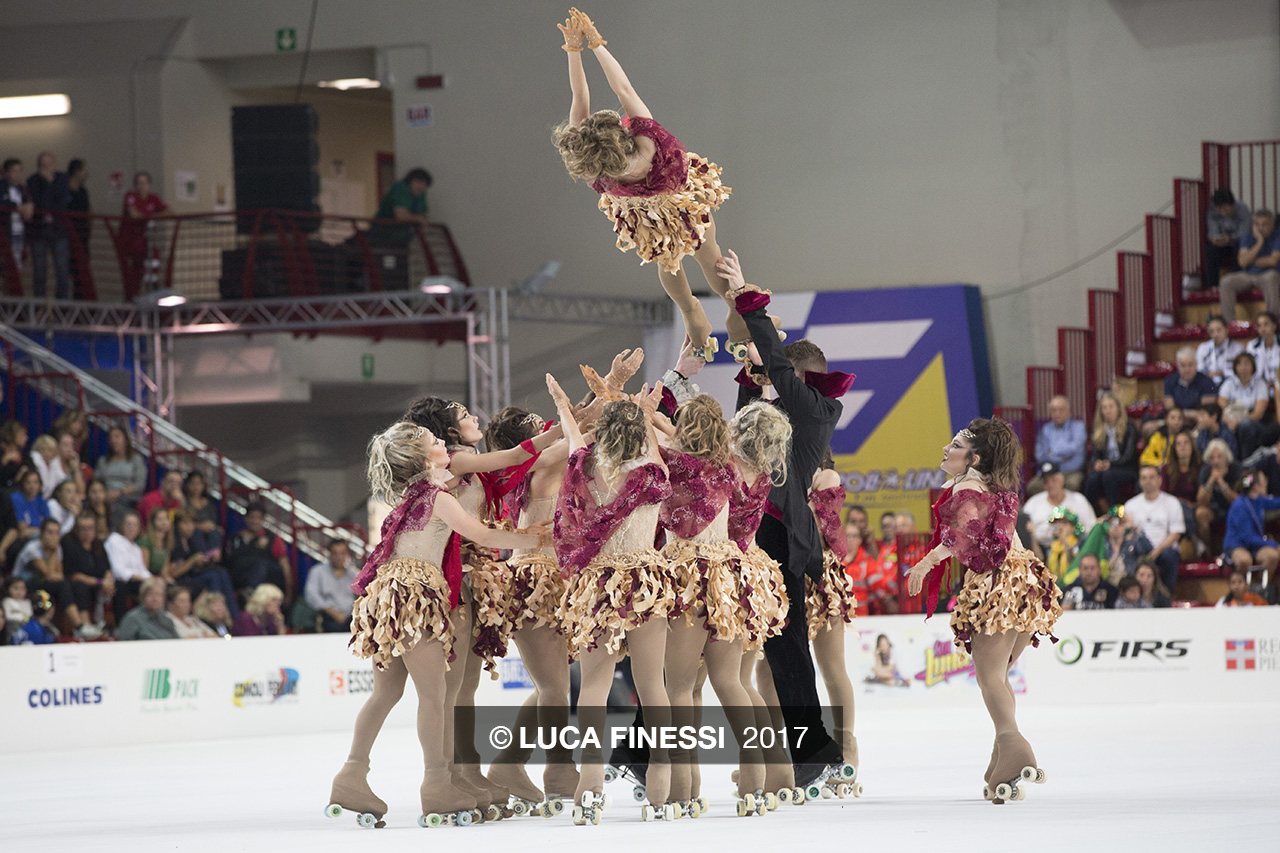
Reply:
x=411, y=514
x=974, y=525
x=700, y=489
x=582, y=526
x=669, y=172
x=826, y=506
x=746, y=508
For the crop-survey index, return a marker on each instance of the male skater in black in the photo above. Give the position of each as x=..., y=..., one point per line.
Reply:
x=788, y=532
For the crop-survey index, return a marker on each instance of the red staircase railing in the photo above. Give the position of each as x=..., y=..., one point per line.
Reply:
x=1079, y=359
x=1043, y=384
x=1133, y=271
x=1189, y=213
x=1106, y=318
x=1164, y=242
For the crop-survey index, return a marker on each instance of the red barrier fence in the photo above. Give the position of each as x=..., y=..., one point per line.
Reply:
x=1189, y=211
x=1251, y=170
x=1079, y=359
x=242, y=255
x=1106, y=319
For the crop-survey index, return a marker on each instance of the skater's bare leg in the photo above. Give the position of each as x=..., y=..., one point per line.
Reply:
x=546, y=659
x=695, y=319
x=723, y=661
x=778, y=771
x=426, y=663
x=707, y=256
x=991, y=665
x=683, y=654
x=461, y=620
x=764, y=684
x=508, y=767
x=695, y=771
x=593, y=695
x=648, y=645
x=828, y=653
x=350, y=787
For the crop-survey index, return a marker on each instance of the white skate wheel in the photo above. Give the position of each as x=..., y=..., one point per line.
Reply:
x=557, y=806
x=366, y=820
x=610, y=774
x=847, y=771
x=695, y=809
x=1004, y=791
x=668, y=812
x=465, y=819
x=987, y=793
x=771, y=801
x=742, y=809
x=637, y=794
x=842, y=790
x=1028, y=774
x=492, y=813
x=429, y=820
x=1040, y=776
x=706, y=806
x=784, y=796
x=857, y=789
x=578, y=819
x=827, y=793
x=333, y=810
x=813, y=792
x=797, y=796
x=595, y=817
x=750, y=801
x=646, y=812
x=606, y=801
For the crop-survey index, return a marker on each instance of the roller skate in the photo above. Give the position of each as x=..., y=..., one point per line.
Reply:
x=1015, y=768
x=987, y=792
x=351, y=792
x=698, y=328
x=590, y=808
x=826, y=764
x=635, y=773
x=843, y=781
x=443, y=804
x=756, y=803
x=481, y=794
x=560, y=781
x=525, y=798
x=708, y=351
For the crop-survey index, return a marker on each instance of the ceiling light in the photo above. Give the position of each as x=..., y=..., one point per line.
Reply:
x=441, y=284
x=162, y=298
x=350, y=83
x=30, y=106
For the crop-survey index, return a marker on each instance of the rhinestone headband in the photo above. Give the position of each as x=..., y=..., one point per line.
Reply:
x=966, y=434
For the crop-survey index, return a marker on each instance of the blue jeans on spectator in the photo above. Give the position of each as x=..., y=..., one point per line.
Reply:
x=1167, y=564
x=59, y=245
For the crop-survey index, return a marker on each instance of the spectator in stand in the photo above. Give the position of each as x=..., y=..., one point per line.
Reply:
x=1210, y=427
x=29, y=504
x=1214, y=356
x=168, y=497
x=1159, y=516
x=1061, y=441
x=195, y=568
x=17, y=601
x=1245, y=387
x=41, y=564
x=47, y=232
x=127, y=562
x=1246, y=543
x=256, y=556
x=208, y=535
x=1089, y=591
x=13, y=453
x=857, y=515
x=262, y=615
x=156, y=542
x=1258, y=257
x=39, y=630
x=44, y=454
x=78, y=209
x=96, y=502
x=1181, y=476
x=1113, y=466
x=405, y=202
x=1130, y=597
x=211, y=607
x=1239, y=594
x=1153, y=590
x=122, y=470
x=1157, y=450
x=1228, y=220
x=6, y=631
x=188, y=626
x=66, y=505
x=1067, y=533
x=16, y=201
x=141, y=207
x=148, y=621
x=85, y=563
x=866, y=571
x=74, y=423
x=69, y=455
x=1056, y=495
x=8, y=530
x=888, y=530
x=328, y=591
x=1188, y=388
x=1218, y=478
x=1265, y=350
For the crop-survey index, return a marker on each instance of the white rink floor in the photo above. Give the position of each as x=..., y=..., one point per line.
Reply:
x=1149, y=777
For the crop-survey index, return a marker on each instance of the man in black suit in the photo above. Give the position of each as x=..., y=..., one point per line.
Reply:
x=788, y=532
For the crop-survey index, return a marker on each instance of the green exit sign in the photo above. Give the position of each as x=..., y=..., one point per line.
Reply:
x=287, y=39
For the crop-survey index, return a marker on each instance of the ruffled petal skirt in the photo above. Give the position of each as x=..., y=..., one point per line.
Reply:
x=664, y=228
x=614, y=594
x=707, y=578
x=830, y=598
x=406, y=601
x=536, y=591
x=1021, y=596
x=762, y=592
x=491, y=627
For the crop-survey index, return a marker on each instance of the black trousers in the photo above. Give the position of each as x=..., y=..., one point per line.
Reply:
x=790, y=660
x=1215, y=257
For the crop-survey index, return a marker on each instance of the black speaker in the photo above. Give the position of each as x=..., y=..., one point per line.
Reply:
x=274, y=153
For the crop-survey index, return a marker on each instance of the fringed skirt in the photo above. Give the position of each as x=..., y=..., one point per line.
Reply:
x=829, y=598
x=707, y=586
x=614, y=594
x=491, y=626
x=536, y=591
x=1020, y=596
x=664, y=228
x=763, y=593
x=407, y=601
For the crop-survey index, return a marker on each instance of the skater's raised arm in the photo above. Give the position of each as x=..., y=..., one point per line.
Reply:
x=620, y=85
x=462, y=522
x=565, y=412
x=580, y=108
x=471, y=463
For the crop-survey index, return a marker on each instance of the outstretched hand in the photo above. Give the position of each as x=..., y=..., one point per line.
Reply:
x=572, y=32
x=625, y=364
x=917, y=573
x=689, y=364
x=587, y=415
x=730, y=269
x=557, y=394
x=649, y=400
x=602, y=388
x=588, y=28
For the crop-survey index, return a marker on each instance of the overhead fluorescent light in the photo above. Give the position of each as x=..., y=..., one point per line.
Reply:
x=350, y=83
x=441, y=284
x=162, y=298
x=30, y=106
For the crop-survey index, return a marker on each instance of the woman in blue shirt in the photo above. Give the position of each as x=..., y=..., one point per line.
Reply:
x=1246, y=543
x=29, y=505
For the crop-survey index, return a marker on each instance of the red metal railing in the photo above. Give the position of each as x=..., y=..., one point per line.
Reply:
x=1164, y=242
x=1079, y=359
x=911, y=547
x=1251, y=170
x=282, y=253
x=1136, y=286
x=1106, y=319
x=1043, y=384
x=1024, y=427
x=1189, y=212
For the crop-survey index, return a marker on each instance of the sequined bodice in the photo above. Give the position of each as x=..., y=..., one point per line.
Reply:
x=635, y=533
x=471, y=496
x=427, y=544
x=537, y=509
x=717, y=531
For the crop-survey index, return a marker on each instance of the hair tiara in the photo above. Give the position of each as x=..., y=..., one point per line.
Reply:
x=967, y=434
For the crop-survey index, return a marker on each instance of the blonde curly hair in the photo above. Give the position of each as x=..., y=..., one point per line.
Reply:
x=760, y=436
x=598, y=145
x=621, y=437
x=702, y=431
x=395, y=461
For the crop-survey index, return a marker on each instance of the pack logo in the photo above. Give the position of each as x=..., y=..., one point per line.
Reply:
x=278, y=686
x=161, y=692
x=1072, y=650
x=944, y=661
x=350, y=682
x=1242, y=654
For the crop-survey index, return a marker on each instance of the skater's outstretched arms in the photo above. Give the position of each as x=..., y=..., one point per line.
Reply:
x=580, y=107
x=565, y=412
x=470, y=463
x=620, y=85
x=624, y=366
x=649, y=402
x=462, y=522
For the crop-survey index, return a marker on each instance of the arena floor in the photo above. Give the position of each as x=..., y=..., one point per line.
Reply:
x=1147, y=777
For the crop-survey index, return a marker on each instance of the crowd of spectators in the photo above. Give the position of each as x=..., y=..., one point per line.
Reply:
x=87, y=552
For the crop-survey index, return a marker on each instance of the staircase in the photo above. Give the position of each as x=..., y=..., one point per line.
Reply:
x=1135, y=330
